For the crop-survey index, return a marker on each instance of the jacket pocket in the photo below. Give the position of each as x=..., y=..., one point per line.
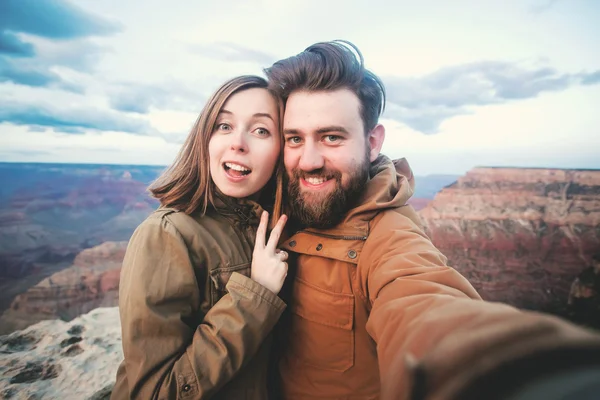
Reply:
x=219, y=278
x=322, y=327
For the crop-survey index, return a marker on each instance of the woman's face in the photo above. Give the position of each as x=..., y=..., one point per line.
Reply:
x=245, y=144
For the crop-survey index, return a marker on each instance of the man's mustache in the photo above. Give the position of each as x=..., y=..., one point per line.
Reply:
x=326, y=173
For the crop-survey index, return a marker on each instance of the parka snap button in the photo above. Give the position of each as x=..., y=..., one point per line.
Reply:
x=292, y=243
x=319, y=246
x=352, y=254
x=186, y=388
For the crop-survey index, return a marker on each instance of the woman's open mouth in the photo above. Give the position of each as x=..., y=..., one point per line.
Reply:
x=235, y=170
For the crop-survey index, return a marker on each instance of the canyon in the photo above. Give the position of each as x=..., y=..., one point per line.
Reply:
x=49, y=214
x=92, y=281
x=520, y=235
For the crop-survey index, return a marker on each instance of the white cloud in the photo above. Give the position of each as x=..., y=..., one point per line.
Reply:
x=554, y=130
x=176, y=124
x=19, y=144
x=167, y=59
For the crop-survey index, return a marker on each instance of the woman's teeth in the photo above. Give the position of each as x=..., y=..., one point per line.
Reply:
x=236, y=167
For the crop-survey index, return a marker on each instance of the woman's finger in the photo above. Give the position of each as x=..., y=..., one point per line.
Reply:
x=276, y=233
x=261, y=232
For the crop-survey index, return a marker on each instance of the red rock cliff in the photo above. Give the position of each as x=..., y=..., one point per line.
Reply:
x=92, y=281
x=520, y=235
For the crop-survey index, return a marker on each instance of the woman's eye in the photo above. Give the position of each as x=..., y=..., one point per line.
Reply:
x=223, y=127
x=262, y=131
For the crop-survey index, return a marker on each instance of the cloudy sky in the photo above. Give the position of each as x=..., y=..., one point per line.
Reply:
x=470, y=82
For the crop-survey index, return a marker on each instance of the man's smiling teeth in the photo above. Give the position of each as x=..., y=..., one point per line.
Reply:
x=237, y=167
x=315, y=181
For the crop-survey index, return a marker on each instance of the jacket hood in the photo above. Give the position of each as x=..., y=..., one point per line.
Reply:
x=391, y=183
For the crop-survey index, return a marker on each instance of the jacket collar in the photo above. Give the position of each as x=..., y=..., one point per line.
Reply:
x=242, y=211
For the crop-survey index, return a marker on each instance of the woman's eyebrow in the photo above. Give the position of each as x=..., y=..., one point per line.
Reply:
x=267, y=115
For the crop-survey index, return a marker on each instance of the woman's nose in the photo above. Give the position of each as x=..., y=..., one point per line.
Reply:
x=238, y=142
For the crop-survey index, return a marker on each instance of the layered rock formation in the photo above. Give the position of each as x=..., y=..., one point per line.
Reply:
x=25, y=245
x=92, y=281
x=49, y=213
x=418, y=203
x=63, y=360
x=520, y=235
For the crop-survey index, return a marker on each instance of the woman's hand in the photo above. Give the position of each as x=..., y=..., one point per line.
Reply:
x=269, y=266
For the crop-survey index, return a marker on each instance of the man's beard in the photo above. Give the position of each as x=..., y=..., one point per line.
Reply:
x=325, y=211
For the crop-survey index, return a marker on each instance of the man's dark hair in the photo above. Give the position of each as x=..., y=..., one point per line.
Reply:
x=330, y=66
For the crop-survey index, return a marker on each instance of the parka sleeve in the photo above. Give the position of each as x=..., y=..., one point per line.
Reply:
x=164, y=356
x=427, y=319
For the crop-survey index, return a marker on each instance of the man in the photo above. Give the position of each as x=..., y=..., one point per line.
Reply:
x=376, y=312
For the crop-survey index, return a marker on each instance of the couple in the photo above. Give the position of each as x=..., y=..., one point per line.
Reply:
x=371, y=308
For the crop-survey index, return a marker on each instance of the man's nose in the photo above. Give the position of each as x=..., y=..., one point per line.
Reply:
x=238, y=142
x=311, y=158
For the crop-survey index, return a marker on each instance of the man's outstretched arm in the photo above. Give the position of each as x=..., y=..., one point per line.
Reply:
x=431, y=327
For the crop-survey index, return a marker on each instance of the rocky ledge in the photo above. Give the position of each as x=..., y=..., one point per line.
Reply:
x=62, y=360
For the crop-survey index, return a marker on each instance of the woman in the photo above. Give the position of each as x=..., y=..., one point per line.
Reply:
x=199, y=284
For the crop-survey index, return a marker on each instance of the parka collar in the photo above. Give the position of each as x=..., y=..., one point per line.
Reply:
x=243, y=211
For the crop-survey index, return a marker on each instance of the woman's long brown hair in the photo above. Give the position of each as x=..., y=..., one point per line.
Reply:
x=186, y=185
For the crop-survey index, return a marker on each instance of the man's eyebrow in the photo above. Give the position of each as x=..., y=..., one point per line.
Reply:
x=332, y=128
x=320, y=131
x=291, y=132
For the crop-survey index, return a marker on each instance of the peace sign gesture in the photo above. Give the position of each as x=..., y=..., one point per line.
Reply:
x=269, y=266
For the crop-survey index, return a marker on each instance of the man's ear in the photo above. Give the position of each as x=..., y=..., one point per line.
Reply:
x=376, y=138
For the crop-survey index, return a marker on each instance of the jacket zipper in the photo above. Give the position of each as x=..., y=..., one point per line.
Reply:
x=245, y=218
x=326, y=235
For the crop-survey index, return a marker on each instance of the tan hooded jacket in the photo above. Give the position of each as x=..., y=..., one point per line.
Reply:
x=194, y=324
x=374, y=304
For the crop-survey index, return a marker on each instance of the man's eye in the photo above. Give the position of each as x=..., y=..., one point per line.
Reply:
x=332, y=138
x=294, y=140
